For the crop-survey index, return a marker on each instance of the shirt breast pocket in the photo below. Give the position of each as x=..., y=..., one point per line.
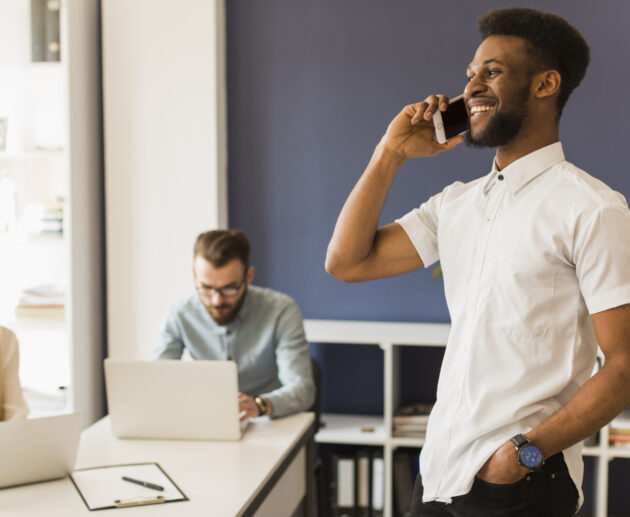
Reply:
x=520, y=294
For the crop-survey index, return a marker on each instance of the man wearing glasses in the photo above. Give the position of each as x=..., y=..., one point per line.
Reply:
x=230, y=319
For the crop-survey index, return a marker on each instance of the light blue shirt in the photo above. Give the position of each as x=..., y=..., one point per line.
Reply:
x=266, y=340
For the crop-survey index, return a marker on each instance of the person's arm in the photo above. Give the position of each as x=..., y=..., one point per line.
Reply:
x=14, y=405
x=358, y=250
x=594, y=405
x=170, y=344
x=293, y=360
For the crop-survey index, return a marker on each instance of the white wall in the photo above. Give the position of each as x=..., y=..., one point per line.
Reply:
x=164, y=116
x=15, y=32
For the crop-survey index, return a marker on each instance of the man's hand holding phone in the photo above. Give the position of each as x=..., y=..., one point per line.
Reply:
x=412, y=134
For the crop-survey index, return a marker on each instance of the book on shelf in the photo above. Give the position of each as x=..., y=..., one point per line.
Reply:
x=619, y=428
x=415, y=409
x=56, y=312
x=410, y=427
x=42, y=218
x=409, y=434
x=356, y=487
x=403, y=482
x=42, y=295
x=378, y=485
x=619, y=438
x=411, y=420
x=621, y=421
x=364, y=487
x=44, y=300
x=346, y=491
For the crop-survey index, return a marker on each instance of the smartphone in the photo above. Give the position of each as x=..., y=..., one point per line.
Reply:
x=452, y=122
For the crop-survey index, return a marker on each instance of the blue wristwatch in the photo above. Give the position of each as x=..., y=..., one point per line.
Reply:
x=528, y=454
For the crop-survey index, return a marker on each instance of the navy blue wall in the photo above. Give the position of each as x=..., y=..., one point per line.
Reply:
x=311, y=89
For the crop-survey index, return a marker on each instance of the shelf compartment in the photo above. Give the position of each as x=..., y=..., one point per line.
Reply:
x=350, y=429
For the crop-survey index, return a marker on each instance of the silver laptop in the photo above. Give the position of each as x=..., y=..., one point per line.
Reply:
x=38, y=449
x=172, y=399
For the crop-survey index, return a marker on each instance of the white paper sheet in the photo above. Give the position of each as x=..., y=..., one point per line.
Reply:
x=101, y=487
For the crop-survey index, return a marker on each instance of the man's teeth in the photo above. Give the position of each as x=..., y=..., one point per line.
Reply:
x=478, y=109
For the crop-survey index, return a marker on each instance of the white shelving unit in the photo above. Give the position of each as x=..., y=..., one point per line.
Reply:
x=377, y=431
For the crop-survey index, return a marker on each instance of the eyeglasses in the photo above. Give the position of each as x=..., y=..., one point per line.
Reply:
x=229, y=291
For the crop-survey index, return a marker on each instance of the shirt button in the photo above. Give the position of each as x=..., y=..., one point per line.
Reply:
x=229, y=357
x=229, y=332
x=500, y=177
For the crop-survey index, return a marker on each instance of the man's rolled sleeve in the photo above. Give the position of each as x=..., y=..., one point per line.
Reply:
x=170, y=344
x=297, y=392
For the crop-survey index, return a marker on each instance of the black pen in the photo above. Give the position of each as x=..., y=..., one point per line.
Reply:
x=143, y=483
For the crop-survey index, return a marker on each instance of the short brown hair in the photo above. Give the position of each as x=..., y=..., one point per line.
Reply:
x=222, y=246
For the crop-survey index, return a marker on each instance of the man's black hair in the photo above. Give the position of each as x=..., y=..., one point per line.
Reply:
x=554, y=44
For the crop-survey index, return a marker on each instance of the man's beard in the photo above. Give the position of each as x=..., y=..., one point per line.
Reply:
x=229, y=316
x=502, y=127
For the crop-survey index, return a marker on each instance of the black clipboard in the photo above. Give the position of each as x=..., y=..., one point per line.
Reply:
x=102, y=488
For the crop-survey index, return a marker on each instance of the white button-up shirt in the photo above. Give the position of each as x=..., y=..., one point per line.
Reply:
x=527, y=253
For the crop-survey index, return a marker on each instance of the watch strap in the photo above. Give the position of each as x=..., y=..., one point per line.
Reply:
x=519, y=440
x=262, y=405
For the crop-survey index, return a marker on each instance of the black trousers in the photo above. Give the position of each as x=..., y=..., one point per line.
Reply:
x=550, y=492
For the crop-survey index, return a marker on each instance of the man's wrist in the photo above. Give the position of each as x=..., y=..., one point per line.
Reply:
x=528, y=453
x=390, y=159
x=541, y=442
x=262, y=404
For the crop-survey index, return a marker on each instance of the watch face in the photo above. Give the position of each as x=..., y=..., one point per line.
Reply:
x=531, y=456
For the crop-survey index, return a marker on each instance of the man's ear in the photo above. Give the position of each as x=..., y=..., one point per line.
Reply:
x=250, y=274
x=547, y=84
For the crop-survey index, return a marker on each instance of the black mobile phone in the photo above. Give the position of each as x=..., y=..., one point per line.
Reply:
x=454, y=121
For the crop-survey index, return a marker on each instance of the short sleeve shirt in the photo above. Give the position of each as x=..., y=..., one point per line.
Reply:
x=527, y=254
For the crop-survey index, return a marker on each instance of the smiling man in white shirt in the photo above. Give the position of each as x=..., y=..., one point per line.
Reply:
x=535, y=259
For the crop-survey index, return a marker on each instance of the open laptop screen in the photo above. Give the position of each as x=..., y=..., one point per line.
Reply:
x=38, y=449
x=173, y=399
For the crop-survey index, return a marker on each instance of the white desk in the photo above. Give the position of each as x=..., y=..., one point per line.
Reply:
x=264, y=474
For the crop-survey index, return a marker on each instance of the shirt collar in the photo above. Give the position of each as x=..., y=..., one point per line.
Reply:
x=525, y=169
